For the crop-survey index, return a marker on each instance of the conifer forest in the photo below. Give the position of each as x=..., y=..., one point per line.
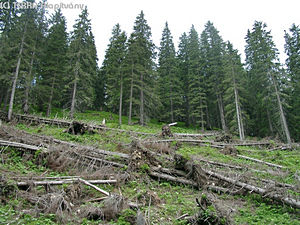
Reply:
x=190, y=117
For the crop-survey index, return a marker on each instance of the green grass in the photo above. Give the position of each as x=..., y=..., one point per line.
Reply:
x=259, y=212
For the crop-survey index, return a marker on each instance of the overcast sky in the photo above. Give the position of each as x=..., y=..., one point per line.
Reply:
x=231, y=17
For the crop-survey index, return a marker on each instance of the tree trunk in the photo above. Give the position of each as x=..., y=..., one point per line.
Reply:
x=270, y=123
x=171, y=104
x=74, y=90
x=50, y=97
x=131, y=95
x=238, y=113
x=201, y=116
x=221, y=110
x=28, y=84
x=283, y=120
x=142, y=102
x=121, y=100
x=207, y=117
x=6, y=99
x=13, y=90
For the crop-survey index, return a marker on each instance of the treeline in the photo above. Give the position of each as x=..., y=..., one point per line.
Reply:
x=203, y=83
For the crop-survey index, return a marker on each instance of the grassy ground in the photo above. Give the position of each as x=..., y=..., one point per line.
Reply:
x=172, y=200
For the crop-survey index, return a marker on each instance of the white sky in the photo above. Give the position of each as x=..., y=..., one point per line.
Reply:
x=231, y=17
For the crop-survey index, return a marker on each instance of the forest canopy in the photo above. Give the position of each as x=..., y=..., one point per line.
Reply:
x=203, y=83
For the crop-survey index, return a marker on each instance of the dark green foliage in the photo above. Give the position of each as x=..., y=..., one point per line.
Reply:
x=264, y=84
x=196, y=95
x=234, y=84
x=169, y=86
x=292, y=48
x=55, y=61
x=83, y=64
x=212, y=51
x=182, y=56
x=113, y=69
x=142, y=100
x=203, y=84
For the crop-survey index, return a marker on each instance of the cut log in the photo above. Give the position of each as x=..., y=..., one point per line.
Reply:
x=21, y=146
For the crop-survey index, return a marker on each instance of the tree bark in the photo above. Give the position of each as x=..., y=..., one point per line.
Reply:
x=171, y=104
x=202, y=115
x=283, y=119
x=50, y=97
x=221, y=110
x=131, y=95
x=142, y=102
x=6, y=99
x=121, y=99
x=238, y=113
x=270, y=123
x=13, y=90
x=74, y=90
x=28, y=84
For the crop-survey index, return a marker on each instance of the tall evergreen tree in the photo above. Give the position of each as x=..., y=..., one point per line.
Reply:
x=113, y=68
x=262, y=66
x=141, y=55
x=183, y=64
x=83, y=58
x=196, y=95
x=168, y=83
x=292, y=49
x=54, y=63
x=25, y=26
x=212, y=52
x=8, y=19
x=233, y=84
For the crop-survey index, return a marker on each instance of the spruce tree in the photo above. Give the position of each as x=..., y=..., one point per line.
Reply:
x=183, y=60
x=212, y=52
x=25, y=45
x=169, y=85
x=113, y=68
x=141, y=55
x=83, y=64
x=292, y=49
x=196, y=95
x=233, y=84
x=265, y=102
x=54, y=63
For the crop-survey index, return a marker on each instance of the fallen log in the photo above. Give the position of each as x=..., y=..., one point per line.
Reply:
x=263, y=192
x=45, y=178
x=21, y=146
x=184, y=181
x=222, y=164
x=60, y=182
x=260, y=161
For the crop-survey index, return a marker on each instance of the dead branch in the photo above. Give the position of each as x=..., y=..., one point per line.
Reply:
x=174, y=179
x=93, y=186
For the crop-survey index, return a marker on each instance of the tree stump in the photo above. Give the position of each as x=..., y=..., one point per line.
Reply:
x=166, y=131
x=76, y=128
